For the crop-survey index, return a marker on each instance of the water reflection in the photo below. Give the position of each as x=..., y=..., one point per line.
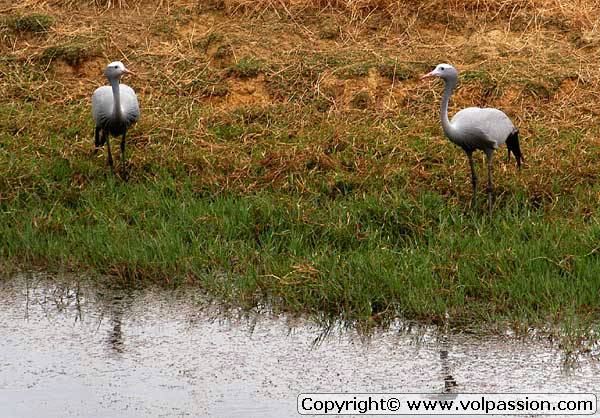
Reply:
x=450, y=384
x=70, y=348
x=116, y=308
x=67, y=300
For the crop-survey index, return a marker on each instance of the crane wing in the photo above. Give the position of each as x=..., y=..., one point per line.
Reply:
x=102, y=105
x=483, y=127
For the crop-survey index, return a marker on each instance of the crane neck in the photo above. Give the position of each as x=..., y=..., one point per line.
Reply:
x=446, y=125
x=117, y=111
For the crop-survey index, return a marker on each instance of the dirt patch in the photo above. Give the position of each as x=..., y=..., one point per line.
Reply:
x=362, y=92
x=569, y=89
x=511, y=97
x=246, y=92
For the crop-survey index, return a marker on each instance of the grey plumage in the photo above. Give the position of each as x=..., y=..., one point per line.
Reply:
x=114, y=109
x=476, y=128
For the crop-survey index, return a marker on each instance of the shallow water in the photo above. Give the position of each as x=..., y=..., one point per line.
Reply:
x=77, y=350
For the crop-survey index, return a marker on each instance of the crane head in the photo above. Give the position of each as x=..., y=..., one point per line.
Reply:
x=443, y=71
x=115, y=70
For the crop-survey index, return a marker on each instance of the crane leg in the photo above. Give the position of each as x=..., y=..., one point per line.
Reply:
x=473, y=179
x=96, y=139
x=490, y=187
x=110, y=159
x=123, y=167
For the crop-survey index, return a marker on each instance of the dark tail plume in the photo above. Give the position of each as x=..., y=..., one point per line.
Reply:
x=512, y=144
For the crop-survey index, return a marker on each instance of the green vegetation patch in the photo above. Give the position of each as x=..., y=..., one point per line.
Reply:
x=395, y=70
x=246, y=67
x=210, y=39
x=33, y=23
x=73, y=54
x=488, y=85
x=356, y=70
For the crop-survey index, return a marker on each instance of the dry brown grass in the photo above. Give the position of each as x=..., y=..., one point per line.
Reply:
x=584, y=12
x=537, y=60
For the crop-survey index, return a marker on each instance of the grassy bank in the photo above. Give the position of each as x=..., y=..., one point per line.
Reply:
x=361, y=256
x=289, y=154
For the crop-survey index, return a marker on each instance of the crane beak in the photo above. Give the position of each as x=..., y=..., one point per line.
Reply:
x=428, y=75
x=126, y=71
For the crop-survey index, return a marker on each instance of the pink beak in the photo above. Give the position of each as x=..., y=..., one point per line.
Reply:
x=126, y=71
x=430, y=74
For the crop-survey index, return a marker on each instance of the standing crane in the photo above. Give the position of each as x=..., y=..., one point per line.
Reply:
x=476, y=128
x=114, y=108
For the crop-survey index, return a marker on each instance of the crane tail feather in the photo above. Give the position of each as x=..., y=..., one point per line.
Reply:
x=512, y=143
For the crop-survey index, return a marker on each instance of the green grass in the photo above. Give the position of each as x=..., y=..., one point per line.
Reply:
x=355, y=256
x=32, y=23
x=246, y=67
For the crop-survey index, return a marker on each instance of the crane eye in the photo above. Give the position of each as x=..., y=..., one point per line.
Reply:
x=442, y=68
